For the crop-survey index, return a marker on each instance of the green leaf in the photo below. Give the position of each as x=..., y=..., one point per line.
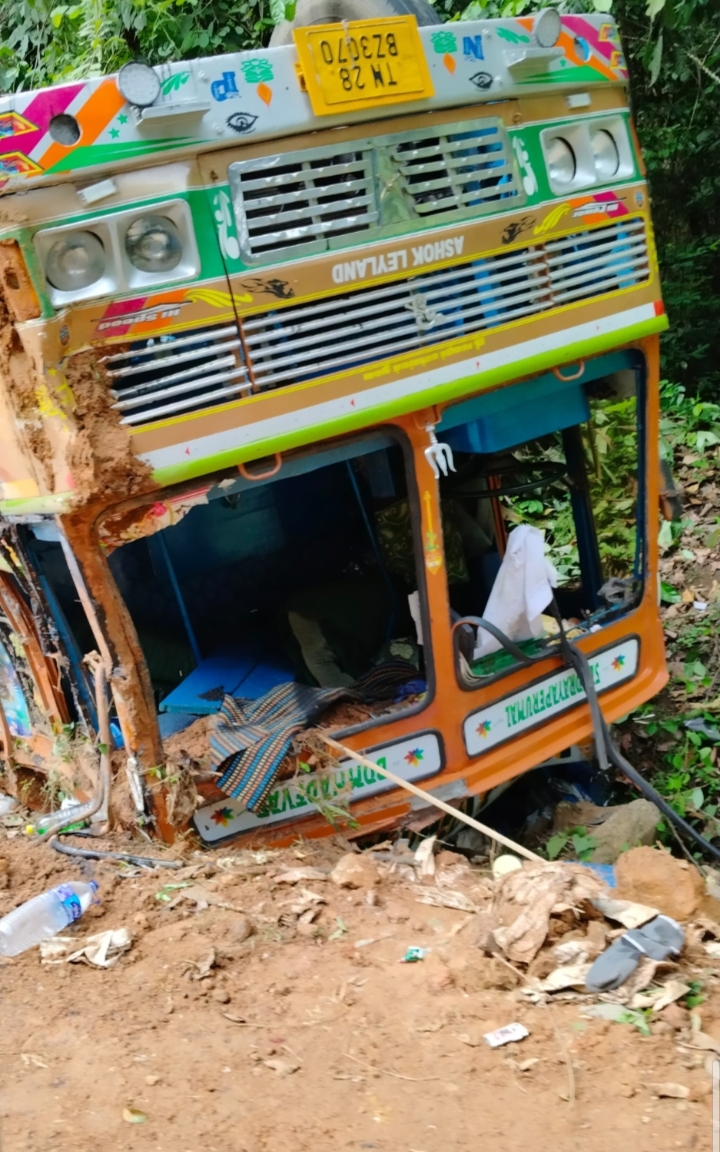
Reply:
x=654, y=8
x=584, y=845
x=665, y=538
x=668, y=594
x=290, y=10
x=697, y=798
x=277, y=11
x=556, y=844
x=603, y=5
x=656, y=60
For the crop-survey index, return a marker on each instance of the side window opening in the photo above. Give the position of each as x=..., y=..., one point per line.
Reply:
x=557, y=483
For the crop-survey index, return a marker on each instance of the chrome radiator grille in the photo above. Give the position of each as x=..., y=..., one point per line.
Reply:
x=304, y=202
x=154, y=379
x=301, y=342
x=166, y=375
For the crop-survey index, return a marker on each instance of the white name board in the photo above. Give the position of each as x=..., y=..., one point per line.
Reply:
x=538, y=702
x=413, y=759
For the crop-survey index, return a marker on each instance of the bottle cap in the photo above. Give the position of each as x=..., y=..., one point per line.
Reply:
x=94, y=885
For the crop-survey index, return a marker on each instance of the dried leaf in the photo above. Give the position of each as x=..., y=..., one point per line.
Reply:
x=445, y=899
x=297, y=875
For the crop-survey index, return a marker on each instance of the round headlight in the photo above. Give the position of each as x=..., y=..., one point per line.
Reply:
x=138, y=83
x=75, y=261
x=607, y=157
x=560, y=161
x=547, y=27
x=153, y=244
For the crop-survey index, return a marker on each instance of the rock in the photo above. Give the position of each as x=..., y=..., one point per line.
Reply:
x=221, y=995
x=243, y=929
x=626, y=827
x=353, y=871
x=151, y=1081
x=650, y=876
x=678, y=1017
x=4, y=873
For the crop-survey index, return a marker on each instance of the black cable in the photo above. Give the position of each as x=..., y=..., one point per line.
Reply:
x=607, y=752
x=124, y=857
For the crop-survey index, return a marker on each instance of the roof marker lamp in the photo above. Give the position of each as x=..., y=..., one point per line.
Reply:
x=138, y=84
x=547, y=27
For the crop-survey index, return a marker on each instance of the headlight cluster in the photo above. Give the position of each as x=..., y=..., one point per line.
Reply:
x=587, y=153
x=113, y=253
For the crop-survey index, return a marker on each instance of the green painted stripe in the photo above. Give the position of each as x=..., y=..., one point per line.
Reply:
x=39, y=505
x=528, y=366
x=93, y=154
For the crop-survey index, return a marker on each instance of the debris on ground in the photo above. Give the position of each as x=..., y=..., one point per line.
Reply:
x=101, y=950
x=510, y=1034
x=286, y=962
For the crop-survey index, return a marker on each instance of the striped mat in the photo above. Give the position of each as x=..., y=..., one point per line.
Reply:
x=251, y=737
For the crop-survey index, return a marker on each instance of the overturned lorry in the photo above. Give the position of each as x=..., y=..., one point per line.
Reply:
x=295, y=341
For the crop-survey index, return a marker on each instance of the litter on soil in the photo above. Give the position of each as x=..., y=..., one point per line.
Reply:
x=258, y=965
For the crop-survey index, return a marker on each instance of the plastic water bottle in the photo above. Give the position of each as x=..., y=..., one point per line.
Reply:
x=44, y=916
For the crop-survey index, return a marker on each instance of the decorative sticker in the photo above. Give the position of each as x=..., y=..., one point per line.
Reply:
x=12, y=124
x=545, y=699
x=413, y=759
x=433, y=551
x=12, y=699
x=444, y=42
x=529, y=178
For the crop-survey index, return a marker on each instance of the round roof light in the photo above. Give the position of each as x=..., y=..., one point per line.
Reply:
x=547, y=27
x=138, y=83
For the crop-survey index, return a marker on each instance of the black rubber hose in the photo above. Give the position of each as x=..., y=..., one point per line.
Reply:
x=124, y=857
x=607, y=752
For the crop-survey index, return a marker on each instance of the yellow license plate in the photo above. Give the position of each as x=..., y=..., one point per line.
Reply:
x=363, y=64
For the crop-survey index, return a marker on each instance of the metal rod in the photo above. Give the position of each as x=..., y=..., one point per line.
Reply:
x=433, y=800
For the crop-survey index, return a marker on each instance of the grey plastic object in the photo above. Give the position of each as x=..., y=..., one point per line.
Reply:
x=661, y=938
x=332, y=11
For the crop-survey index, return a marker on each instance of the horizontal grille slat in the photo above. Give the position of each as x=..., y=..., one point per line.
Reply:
x=150, y=379
x=300, y=203
x=304, y=341
x=154, y=379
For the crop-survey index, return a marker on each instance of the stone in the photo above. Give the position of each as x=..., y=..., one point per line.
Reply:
x=626, y=827
x=650, y=876
x=221, y=995
x=678, y=1017
x=354, y=871
x=243, y=929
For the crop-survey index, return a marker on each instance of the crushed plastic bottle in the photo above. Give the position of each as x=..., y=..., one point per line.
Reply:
x=44, y=916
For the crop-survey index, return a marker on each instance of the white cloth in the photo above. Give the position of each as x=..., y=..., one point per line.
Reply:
x=521, y=592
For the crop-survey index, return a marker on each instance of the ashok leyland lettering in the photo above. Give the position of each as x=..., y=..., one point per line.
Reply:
x=296, y=340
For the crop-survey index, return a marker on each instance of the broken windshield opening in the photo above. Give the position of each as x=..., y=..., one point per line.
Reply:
x=544, y=501
x=303, y=577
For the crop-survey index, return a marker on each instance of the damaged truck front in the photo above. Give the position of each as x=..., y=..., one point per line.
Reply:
x=298, y=345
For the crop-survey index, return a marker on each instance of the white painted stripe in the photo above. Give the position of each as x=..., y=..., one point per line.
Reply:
x=362, y=401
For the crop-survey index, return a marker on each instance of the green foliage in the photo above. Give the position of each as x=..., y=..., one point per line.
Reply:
x=583, y=845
